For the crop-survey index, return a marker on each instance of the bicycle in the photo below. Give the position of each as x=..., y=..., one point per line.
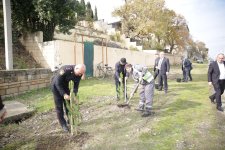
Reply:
x=103, y=70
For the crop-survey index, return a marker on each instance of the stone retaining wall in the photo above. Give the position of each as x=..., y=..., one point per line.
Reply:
x=19, y=81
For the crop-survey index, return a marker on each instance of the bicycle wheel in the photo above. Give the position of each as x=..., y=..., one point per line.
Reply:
x=100, y=74
x=110, y=72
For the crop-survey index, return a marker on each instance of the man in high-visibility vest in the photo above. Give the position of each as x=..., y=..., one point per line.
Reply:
x=141, y=74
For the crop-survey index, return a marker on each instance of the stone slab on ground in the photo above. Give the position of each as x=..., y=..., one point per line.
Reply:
x=16, y=111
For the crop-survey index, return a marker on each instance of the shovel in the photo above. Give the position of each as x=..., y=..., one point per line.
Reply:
x=132, y=94
x=125, y=91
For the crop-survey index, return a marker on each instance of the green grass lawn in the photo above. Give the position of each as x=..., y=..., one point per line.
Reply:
x=183, y=119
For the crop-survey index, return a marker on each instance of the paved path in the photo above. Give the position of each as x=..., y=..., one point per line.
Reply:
x=16, y=111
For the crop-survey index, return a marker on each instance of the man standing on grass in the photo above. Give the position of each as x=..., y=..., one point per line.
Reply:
x=60, y=89
x=186, y=68
x=216, y=77
x=164, y=68
x=120, y=76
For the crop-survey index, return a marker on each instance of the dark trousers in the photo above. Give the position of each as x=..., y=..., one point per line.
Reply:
x=156, y=73
x=186, y=74
x=162, y=78
x=189, y=74
x=118, y=87
x=59, y=103
x=219, y=89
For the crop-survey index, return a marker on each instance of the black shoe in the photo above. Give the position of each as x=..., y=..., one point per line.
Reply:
x=219, y=108
x=212, y=100
x=65, y=128
x=146, y=114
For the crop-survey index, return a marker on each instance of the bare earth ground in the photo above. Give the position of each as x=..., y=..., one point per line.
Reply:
x=99, y=118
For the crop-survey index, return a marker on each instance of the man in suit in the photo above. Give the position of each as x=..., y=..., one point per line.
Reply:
x=216, y=77
x=156, y=71
x=186, y=68
x=164, y=68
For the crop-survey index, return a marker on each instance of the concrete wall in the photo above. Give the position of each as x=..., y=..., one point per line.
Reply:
x=19, y=81
x=50, y=54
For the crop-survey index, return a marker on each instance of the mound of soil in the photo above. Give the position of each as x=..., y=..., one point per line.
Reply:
x=22, y=59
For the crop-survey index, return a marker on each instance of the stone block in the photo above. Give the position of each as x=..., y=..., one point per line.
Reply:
x=4, y=86
x=23, y=88
x=2, y=92
x=42, y=85
x=34, y=86
x=12, y=90
x=21, y=78
x=13, y=84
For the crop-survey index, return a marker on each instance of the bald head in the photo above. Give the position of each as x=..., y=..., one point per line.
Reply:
x=79, y=69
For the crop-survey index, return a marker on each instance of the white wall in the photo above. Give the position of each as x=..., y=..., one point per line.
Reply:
x=50, y=54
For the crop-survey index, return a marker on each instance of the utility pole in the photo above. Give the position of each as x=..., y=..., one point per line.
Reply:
x=8, y=34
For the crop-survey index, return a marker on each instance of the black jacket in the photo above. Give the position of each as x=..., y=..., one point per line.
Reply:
x=1, y=104
x=186, y=63
x=214, y=72
x=64, y=76
x=120, y=69
x=165, y=65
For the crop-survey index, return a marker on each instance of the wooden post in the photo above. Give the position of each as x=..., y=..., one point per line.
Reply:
x=83, y=76
x=75, y=53
x=106, y=52
x=102, y=53
x=83, y=49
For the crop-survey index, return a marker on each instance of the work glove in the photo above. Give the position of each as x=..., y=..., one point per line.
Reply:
x=126, y=78
x=140, y=79
x=120, y=80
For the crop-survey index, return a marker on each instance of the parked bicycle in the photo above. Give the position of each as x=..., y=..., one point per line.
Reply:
x=103, y=70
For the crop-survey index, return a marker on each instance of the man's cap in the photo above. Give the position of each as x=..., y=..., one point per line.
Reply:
x=123, y=61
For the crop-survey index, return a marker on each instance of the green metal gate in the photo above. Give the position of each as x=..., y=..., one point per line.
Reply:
x=88, y=58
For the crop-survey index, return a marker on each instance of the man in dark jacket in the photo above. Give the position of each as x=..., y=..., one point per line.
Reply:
x=2, y=110
x=216, y=77
x=186, y=68
x=164, y=68
x=60, y=89
x=120, y=75
x=156, y=71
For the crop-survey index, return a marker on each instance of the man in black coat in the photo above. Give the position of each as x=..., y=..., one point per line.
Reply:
x=2, y=110
x=216, y=77
x=60, y=89
x=156, y=71
x=120, y=76
x=186, y=68
x=164, y=68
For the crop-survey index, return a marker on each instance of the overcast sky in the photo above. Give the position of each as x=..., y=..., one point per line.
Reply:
x=205, y=18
